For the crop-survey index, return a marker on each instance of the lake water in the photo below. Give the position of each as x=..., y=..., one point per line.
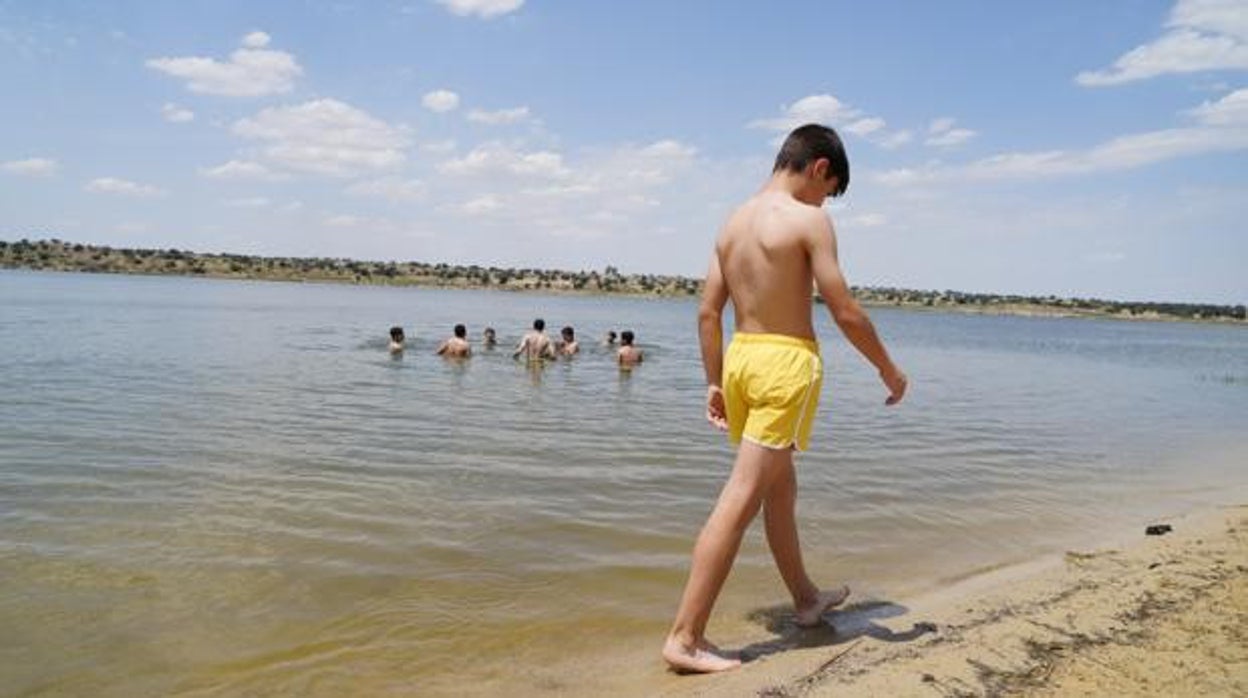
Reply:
x=230, y=488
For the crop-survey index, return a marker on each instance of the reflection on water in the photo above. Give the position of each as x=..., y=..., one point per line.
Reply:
x=223, y=488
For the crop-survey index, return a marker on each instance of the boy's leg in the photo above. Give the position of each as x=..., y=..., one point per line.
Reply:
x=779, y=516
x=753, y=474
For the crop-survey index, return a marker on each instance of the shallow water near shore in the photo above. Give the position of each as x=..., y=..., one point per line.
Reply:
x=225, y=488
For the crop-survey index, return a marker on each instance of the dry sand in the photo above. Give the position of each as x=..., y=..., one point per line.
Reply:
x=1157, y=616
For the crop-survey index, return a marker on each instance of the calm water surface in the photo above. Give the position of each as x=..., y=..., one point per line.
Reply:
x=229, y=488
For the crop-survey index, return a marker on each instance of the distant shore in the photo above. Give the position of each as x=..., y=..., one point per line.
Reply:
x=57, y=255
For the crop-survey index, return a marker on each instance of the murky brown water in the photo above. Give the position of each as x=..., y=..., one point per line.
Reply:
x=219, y=488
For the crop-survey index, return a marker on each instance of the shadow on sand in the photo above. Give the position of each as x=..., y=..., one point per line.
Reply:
x=842, y=625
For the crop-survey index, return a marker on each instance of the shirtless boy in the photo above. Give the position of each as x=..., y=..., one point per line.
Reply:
x=456, y=346
x=568, y=345
x=764, y=390
x=628, y=355
x=535, y=345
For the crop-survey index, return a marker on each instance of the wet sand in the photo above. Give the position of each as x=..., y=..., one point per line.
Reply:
x=1155, y=616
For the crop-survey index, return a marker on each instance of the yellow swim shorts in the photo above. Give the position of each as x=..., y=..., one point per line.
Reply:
x=771, y=389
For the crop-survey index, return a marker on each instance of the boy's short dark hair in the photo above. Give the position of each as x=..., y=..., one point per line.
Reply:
x=626, y=337
x=461, y=331
x=396, y=333
x=808, y=143
x=568, y=331
x=539, y=324
x=489, y=330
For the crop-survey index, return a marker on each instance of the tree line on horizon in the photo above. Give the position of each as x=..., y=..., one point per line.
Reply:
x=57, y=255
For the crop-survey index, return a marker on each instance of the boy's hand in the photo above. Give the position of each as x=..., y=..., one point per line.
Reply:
x=715, y=413
x=896, y=383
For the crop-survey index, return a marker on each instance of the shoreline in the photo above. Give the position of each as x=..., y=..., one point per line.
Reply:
x=1158, y=615
x=868, y=297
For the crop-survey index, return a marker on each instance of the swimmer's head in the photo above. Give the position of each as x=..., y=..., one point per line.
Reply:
x=396, y=334
x=568, y=333
x=488, y=333
x=539, y=324
x=626, y=338
x=461, y=331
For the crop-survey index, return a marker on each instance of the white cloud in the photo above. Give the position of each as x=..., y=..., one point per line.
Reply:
x=325, y=136
x=901, y=176
x=542, y=163
x=176, y=114
x=247, y=202
x=252, y=71
x=495, y=157
x=439, y=147
x=240, y=169
x=950, y=138
x=502, y=116
x=668, y=150
x=1202, y=35
x=648, y=166
x=895, y=140
x=482, y=205
x=1231, y=110
x=31, y=167
x=863, y=127
x=827, y=109
x=256, y=40
x=1222, y=126
x=391, y=188
x=819, y=109
x=1217, y=16
x=440, y=101
x=561, y=190
x=485, y=9
x=591, y=194
x=942, y=134
x=124, y=187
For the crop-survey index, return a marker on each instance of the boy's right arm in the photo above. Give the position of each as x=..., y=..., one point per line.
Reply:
x=846, y=312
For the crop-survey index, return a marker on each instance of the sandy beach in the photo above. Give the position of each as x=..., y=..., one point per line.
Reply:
x=1154, y=616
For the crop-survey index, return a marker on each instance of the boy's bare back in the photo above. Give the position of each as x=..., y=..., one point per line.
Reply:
x=764, y=257
x=769, y=253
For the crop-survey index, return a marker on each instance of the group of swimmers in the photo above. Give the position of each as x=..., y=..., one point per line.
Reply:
x=536, y=346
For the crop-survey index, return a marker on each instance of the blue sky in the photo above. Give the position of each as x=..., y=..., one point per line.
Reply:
x=1067, y=148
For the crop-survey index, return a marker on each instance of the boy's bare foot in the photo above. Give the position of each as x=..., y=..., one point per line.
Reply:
x=704, y=658
x=812, y=615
